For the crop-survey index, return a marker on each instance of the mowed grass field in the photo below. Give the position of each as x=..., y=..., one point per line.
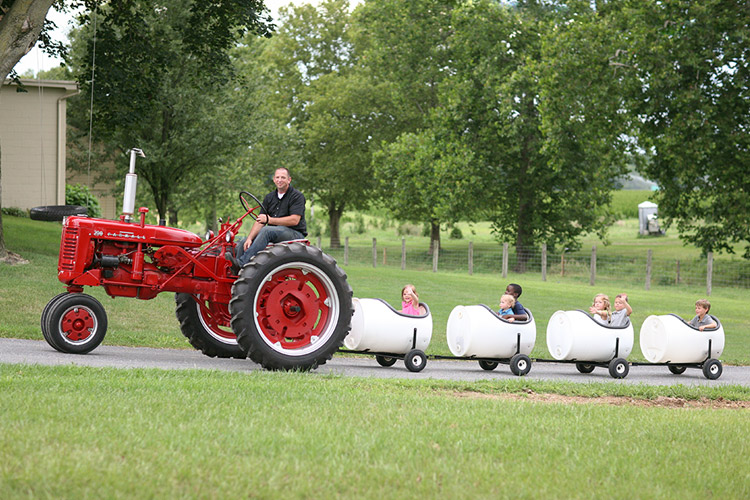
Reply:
x=73, y=432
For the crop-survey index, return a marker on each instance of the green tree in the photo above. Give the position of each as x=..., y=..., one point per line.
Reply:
x=407, y=50
x=22, y=23
x=427, y=178
x=690, y=64
x=163, y=82
x=539, y=129
x=312, y=86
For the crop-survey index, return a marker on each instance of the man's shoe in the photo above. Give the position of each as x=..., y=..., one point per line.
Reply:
x=235, y=263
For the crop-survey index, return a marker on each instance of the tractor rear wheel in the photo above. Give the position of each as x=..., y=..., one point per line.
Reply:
x=291, y=307
x=206, y=326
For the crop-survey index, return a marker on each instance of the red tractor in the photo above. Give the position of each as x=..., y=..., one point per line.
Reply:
x=289, y=308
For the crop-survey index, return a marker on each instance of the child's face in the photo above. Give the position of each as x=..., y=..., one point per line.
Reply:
x=510, y=291
x=700, y=310
x=619, y=304
x=599, y=303
x=505, y=303
x=406, y=296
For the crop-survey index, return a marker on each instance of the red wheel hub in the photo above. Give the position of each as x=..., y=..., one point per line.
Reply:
x=293, y=308
x=78, y=324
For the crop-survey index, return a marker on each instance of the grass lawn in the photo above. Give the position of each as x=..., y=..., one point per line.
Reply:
x=25, y=289
x=73, y=432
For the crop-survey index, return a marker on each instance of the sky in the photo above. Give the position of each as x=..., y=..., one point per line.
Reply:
x=37, y=61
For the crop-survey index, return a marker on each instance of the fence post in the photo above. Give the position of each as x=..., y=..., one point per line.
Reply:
x=562, y=263
x=592, y=279
x=648, y=270
x=709, y=271
x=677, y=278
x=346, y=251
x=318, y=243
x=471, y=258
x=403, y=253
x=505, y=260
x=385, y=258
x=544, y=262
x=435, y=253
x=374, y=252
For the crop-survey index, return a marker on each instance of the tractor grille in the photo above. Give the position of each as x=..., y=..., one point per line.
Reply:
x=68, y=249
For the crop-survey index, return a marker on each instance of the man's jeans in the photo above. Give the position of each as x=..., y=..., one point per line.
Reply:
x=268, y=234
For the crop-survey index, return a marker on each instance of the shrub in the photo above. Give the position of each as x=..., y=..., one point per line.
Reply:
x=456, y=233
x=15, y=212
x=78, y=194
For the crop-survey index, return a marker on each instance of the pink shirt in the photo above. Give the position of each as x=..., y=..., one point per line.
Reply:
x=408, y=308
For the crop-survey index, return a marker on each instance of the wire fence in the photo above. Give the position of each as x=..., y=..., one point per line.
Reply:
x=594, y=267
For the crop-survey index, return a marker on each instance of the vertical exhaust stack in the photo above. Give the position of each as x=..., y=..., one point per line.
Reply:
x=131, y=181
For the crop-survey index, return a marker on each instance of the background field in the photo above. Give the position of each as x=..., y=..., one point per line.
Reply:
x=73, y=432
x=24, y=290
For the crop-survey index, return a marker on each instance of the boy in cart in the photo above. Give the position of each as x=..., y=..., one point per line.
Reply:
x=519, y=313
x=702, y=319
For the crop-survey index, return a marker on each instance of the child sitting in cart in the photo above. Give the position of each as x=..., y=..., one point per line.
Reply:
x=620, y=316
x=702, y=319
x=601, y=309
x=506, y=307
x=519, y=312
x=410, y=301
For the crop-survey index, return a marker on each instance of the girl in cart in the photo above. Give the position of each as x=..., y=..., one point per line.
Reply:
x=410, y=301
x=601, y=309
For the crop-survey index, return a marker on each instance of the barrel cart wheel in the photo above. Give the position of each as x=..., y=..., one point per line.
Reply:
x=488, y=365
x=712, y=369
x=585, y=367
x=520, y=364
x=415, y=360
x=619, y=368
x=677, y=369
x=385, y=360
x=76, y=323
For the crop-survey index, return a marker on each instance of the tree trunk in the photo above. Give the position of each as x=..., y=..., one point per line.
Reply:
x=173, y=217
x=334, y=219
x=211, y=222
x=434, y=236
x=3, y=251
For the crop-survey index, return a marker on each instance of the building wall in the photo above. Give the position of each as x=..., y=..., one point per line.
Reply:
x=32, y=142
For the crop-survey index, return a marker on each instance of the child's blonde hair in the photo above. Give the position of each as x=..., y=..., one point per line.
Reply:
x=509, y=297
x=605, y=299
x=704, y=303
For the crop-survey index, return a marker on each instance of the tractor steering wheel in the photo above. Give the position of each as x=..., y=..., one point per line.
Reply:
x=246, y=205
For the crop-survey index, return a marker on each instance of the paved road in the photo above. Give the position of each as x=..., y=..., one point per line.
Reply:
x=38, y=352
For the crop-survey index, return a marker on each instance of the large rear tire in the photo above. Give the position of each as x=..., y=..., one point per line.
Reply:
x=291, y=307
x=207, y=327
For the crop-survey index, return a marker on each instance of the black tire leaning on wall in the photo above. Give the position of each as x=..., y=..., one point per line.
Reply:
x=56, y=212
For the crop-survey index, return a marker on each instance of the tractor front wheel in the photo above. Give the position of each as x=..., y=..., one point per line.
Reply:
x=206, y=326
x=75, y=323
x=291, y=307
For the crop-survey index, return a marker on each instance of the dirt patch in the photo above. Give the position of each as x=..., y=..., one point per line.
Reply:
x=13, y=259
x=659, y=402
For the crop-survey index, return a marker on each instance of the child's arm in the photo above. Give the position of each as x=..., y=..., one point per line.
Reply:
x=628, y=308
x=709, y=326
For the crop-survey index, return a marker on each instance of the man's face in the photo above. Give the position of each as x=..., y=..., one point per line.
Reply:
x=282, y=180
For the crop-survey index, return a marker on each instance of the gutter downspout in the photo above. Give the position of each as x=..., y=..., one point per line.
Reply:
x=61, y=140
